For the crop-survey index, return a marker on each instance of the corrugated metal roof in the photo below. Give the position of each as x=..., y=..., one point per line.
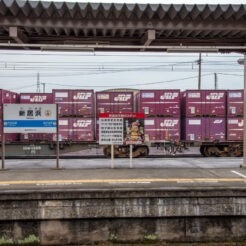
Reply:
x=115, y=10
x=114, y=23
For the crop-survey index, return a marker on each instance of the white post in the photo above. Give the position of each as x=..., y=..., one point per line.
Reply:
x=112, y=156
x=130, y=155
x=3, y=141
x=57, y=138
x=244, y=116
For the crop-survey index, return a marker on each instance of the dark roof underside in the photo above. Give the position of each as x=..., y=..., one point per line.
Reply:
x=122, y=24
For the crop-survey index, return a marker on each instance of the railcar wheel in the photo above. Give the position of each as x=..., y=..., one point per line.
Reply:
x=236, y=151
x=202, y=150
x=212, y=151
x=143, y=151
x=107, y=151
x=205, y=151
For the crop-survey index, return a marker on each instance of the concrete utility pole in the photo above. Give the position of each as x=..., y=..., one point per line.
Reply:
x=43, y=84
x=215, y=81
x=199, y=71
x=38, y=83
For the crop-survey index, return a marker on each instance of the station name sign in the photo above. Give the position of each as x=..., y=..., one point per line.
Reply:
x=29, y=118
x=121, y=128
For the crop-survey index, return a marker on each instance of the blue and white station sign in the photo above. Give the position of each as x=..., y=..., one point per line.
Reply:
x=29, y=118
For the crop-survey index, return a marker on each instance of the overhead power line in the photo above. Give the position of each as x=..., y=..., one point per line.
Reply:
x=128, y=85
x=231, y=74
x=22, y=87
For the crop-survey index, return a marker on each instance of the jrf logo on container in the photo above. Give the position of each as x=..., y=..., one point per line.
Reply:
x=82, y=123
x=122, y=97
x=38, y=98
x=215, y=95
x=82, y=95
x=169, y=95
x=169, y=123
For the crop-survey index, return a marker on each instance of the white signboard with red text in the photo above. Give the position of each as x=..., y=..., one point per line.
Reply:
x=121, y=128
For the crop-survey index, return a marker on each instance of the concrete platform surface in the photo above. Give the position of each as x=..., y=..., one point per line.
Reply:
x=146, y=173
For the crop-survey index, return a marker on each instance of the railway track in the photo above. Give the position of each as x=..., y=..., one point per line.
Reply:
x=101, y=156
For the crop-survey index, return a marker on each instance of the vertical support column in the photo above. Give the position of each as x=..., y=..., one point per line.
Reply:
x=244, y=116
x=199, y=71
x=112, y=156
x=130, y=155
x=57, y=138
x=215, y=81
x=3, y=143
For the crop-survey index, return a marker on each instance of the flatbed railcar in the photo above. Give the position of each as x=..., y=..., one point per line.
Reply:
x=86, y=108
x=207, y=149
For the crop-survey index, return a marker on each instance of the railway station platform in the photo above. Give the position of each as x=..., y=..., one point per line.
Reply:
x=146, y=173
x=171, y=199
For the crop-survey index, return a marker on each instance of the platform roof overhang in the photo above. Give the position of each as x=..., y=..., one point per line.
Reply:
x=111, y=24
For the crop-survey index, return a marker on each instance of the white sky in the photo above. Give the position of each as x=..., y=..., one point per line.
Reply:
x=18, y=69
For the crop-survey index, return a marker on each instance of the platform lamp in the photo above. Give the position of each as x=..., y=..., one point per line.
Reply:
x=241, y=62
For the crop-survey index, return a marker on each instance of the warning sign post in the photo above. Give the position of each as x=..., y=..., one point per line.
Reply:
x=119, y=129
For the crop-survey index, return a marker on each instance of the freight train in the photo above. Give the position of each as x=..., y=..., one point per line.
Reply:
x=174, y=120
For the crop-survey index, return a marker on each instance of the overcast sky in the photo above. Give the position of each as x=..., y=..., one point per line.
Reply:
x=19, y=69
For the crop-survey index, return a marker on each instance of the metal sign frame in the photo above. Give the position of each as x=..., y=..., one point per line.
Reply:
x=121, y=116
x=3, y=140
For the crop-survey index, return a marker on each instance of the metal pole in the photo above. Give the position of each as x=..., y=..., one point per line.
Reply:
x=43, y=87
x=112, y=156
x=244, y=116
x=199, y=71
x=130, y=155
x=215, y=81
x=38, y=83
x=3, y=142
x=57, y=138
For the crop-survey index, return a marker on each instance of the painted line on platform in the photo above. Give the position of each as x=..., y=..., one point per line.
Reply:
x=240, y=174
x=109, y=181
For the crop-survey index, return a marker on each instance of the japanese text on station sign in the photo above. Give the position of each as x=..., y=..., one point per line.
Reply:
x=29, y=118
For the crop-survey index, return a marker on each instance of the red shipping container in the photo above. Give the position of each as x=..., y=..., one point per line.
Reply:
x=204, y=129
x=235, y=129
x=9, y=137
x=7, y=97
x=97, y=129
x=159, y=102
x=14, y=97
x=83, y=129
x=36, y=98
x=83, y=103
x=192, y=129
x=65, y=130
x=64, y=99
x=204, y=103
x=161, y=129
x=192, y=103
x=114, y=102
x=215, y=103
x=235, y=100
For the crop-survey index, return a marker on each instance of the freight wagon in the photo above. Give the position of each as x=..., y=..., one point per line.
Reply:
x=174, y=120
